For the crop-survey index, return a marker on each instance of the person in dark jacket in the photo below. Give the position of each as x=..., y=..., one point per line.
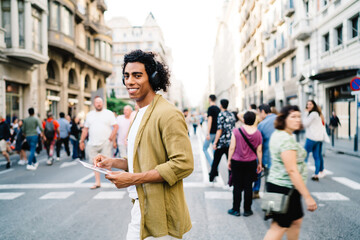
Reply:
x=21, y=145
x=75, y=134
x=4, y=139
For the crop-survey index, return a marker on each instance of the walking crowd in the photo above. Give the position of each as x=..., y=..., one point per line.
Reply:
x=152, y=146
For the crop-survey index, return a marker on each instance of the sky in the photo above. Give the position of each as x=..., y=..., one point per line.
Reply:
x=189, y=28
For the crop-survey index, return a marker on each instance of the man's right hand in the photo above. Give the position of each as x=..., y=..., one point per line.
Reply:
x=82, y=146
x=103, y=161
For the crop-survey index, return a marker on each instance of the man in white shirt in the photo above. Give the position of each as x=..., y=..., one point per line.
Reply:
x=123, y=122
x=101, y=126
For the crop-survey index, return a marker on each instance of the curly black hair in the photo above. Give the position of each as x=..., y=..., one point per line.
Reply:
x=151, y=65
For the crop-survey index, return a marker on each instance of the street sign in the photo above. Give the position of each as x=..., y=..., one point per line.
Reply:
x=355, y=84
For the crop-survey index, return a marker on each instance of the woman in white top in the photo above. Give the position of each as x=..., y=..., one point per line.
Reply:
x=314, y=136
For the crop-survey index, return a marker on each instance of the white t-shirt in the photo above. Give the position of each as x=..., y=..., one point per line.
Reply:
x=124, y=124
x=100, y=126
x=131, y=142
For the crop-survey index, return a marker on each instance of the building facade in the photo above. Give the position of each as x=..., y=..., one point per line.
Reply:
x=79, y=56
x=23, y=51
x=148, y=37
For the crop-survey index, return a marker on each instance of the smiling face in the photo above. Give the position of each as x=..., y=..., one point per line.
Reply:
x=137, y=83
x=309, y=106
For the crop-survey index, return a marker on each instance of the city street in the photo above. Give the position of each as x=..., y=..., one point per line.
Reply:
x=55, y=202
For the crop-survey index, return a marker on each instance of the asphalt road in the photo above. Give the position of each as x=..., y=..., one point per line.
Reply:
x=55, y=202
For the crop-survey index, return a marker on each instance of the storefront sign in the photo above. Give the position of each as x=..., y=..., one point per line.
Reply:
x=355, y=84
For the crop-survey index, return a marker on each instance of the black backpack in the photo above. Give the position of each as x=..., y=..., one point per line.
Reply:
x=49, y=130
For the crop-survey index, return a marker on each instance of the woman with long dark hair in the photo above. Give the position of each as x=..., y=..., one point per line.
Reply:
x=314, y=136
x=288, y=171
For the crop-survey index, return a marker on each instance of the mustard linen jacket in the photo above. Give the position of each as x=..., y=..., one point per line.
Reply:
x=162, y=143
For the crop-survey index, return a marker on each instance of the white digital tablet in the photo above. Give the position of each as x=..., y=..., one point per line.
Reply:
x=90, y=166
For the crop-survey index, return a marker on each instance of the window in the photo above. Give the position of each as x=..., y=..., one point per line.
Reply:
x=269, y=77
x=67, y=21
x=274, y=43
x=250, y=78
x=102, y=50
x=293, y=66
x=21, y=24
x=88, y=43
x=50, y=70
x=338, y=35
x=97, y=48
x=99, y=84
x=324, y=3
x=307, y=8
x=87, y=82
x=255, y=74
x=36, y=31
x=55, y=16
x=6, y=21
x=72, y=79
x=354, y=23
x=277, y=77
x=326, y=42
x=283, y=71
x=307, y=52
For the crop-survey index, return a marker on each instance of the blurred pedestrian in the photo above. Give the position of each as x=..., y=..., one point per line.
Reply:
x=266, y=128
x=21, y=145
x=5, y=140
x=334, y=123
x=123, y=122
x=212, y=115
x=288, y=171
x=194, y=121
x=314, y=136
x=75, y=134
x=51, y=134
x=159, y=154
x=101, y=128
x=225, y=125
x=64, y=129
x=29, y=129
x=245, y=147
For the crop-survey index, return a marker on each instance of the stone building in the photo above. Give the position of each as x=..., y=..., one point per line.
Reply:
x=56, y=67
x=23, y=48
x=79, y=56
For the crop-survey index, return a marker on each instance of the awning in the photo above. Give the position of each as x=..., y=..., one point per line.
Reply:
x=332, y=74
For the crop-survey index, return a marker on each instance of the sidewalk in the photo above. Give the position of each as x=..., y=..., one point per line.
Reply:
x=344, y=146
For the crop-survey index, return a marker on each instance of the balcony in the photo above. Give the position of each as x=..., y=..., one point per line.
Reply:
x=276, y=55
x=26, y=55
x=289, y=8
x=61, y=41
x=302, y=29
x=2, y=38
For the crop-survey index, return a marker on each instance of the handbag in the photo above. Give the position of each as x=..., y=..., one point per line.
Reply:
x=275, y=202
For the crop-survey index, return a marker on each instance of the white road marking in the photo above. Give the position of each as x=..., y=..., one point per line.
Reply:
x=110, y=195
x=347, y=182
x=10, y=195
x=218, y=195
x=68, y=164
x=53, y=186
x=57, y=195
x=203, y=162
x=81, y=180
x=219, y=179
x=330, y=196
x=327, y=172
x=6, y=171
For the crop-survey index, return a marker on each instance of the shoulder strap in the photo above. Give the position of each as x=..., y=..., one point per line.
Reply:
x=247, y=141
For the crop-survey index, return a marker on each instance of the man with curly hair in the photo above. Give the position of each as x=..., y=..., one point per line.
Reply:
x=159, y=154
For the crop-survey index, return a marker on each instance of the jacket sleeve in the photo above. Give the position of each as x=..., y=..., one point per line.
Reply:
x=177, y=145
x=308, y=119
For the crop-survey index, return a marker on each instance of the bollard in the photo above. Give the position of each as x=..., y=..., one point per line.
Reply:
x=356, y=143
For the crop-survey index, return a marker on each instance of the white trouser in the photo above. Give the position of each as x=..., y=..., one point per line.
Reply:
x=134, y=226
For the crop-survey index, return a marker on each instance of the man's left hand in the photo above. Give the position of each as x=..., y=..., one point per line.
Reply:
x=120, y=179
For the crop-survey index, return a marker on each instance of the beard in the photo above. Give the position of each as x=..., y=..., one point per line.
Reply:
x=98, y=109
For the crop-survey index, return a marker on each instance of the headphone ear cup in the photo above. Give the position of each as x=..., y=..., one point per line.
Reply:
x=155, y=80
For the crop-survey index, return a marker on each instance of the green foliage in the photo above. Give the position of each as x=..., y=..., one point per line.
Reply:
x=116, y=105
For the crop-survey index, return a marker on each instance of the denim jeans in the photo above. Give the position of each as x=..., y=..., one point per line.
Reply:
x=75, y=144
x=315, y=147
x=206, y=146
x=32, y=141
